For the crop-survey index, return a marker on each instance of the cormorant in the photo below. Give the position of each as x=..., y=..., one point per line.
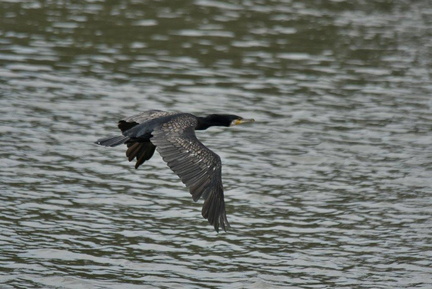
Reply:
x=173, y=135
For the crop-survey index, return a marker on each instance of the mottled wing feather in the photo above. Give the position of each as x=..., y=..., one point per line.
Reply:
x=199, y=168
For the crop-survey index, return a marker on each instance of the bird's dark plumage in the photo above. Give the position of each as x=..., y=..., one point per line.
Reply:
x=173, y=136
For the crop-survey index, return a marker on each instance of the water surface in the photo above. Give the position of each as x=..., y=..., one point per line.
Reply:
x=330, y=188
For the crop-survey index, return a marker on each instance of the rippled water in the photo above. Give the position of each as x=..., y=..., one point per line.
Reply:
x=330, y=188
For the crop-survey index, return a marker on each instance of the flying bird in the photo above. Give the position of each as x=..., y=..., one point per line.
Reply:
x=172, y=134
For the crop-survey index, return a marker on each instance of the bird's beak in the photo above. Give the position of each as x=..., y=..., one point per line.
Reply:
x=240, y=121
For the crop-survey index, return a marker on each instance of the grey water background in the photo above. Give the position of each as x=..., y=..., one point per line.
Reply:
x=330, y=188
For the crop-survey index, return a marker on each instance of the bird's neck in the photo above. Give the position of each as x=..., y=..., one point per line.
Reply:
x=203, y=123
x=212, y=120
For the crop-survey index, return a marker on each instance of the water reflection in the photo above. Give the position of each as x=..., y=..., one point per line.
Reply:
x=329, y=188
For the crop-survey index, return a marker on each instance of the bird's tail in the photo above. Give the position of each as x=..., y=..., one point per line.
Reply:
x=112, y=141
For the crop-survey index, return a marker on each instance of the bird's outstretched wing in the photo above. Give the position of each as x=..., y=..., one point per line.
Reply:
x=199, y=168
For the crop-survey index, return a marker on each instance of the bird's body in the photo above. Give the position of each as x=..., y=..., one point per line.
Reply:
x=173, y=136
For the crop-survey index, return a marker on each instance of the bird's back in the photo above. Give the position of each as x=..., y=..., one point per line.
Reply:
x=142, y=125
x=144, y=117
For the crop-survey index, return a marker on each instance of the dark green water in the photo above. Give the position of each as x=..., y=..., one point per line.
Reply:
x=330, y=188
